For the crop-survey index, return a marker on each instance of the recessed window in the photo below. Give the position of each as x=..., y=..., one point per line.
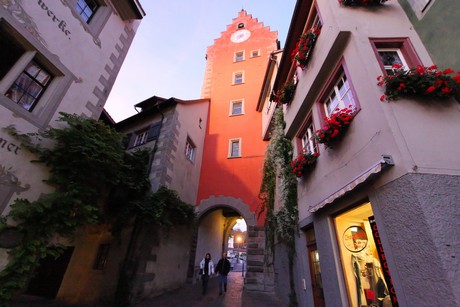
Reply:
x=234, y=148
x=340, y=96
x=190, y=150
x=255, y=53
x=29, y=86
x=239, y=56
x=141, y=138
x=101, y=257
x=236, y=107
x=395, y=51
x=238, y=77
x=86, y=9
x=240, y=25
x=308, y=142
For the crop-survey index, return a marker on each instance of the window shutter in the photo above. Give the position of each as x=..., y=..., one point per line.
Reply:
x=154, y=132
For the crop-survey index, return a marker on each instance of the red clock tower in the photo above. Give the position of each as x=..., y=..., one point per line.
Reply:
x=234, y=150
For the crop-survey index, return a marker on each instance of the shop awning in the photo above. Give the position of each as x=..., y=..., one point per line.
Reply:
x=376, y=168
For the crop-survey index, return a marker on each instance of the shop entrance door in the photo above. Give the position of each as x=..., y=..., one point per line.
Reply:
x=315, y=269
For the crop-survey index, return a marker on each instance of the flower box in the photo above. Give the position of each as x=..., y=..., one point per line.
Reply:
x=419, y=81
x=335, y=127
x=361, y=2
x=301, y=54
x=286, y=93
x=304, y=163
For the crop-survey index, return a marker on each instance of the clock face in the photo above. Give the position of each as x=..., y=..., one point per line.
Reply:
x=240, y=36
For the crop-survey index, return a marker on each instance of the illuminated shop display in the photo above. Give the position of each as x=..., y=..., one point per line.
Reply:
x=365, y=269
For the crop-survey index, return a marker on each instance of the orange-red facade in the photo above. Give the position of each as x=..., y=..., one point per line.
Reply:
x=221, y=174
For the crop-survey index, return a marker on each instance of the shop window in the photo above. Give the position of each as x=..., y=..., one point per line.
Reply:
x=239, y=56
x=236, y=107
x=238, y=77
x=363, y=259
x=190, y=150
x=101, y=257
x=395, y=51
x=234, y=148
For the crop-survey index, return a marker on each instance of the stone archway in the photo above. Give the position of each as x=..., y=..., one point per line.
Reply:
x=237, y=204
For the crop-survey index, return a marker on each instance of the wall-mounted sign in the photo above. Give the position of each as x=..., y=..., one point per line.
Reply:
x=355, y=239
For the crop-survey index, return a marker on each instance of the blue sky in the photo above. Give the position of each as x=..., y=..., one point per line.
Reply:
x=167, y=57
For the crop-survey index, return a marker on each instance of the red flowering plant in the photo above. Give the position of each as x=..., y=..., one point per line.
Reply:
x=334, y=127
x=301, y=54
x=285, y=93
x=303, y=163
x=419, y=81
x=361, y=2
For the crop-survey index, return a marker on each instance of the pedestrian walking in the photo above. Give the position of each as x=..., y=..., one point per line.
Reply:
x=206, y=270
x=223, y=267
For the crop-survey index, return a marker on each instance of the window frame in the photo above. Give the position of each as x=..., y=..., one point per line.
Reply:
x=403, y=44
x=234, y=77
x=97, y=22
x=141, y=137
x=340, y=69
x=237, y=58
x=190, y=150
x=307, y=128
x=230, y=148
x=232, y=103
x=257, y=53
x=48, y=103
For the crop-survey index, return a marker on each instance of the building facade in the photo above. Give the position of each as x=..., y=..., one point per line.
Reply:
x=234, y=151
x=378, y=219
x=57, y=56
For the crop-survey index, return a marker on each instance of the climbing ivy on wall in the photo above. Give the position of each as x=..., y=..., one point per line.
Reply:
x=95, y=182
x=279, y=183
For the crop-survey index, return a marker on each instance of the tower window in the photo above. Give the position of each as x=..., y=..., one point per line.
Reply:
x=238, y=77
x=241, y=25
x=239, y=56
x=234, y=148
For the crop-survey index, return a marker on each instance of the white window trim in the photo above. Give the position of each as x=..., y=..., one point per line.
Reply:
x=257, y=55
x=307, y=137
x=190, y=154
x=230, y=147
x=231, y=107
x=234, y=76
x=235, y=56
x=335, y=89
x=400, y=54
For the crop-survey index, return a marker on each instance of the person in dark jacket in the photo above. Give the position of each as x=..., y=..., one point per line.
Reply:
x=222, y=268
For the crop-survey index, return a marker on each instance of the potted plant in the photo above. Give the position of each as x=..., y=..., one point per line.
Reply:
x=304, y=47
x=286, y=92
x=419, y=81
x=335, y=127
x=361, y=2
x=303, y=163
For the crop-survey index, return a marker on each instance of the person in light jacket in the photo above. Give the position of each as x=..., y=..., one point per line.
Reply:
x=206, y=269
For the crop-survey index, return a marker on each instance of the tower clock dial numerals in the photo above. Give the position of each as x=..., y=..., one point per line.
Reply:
x=240, y=36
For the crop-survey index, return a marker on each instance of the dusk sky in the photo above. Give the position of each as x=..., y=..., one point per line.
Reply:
x=167, y=57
